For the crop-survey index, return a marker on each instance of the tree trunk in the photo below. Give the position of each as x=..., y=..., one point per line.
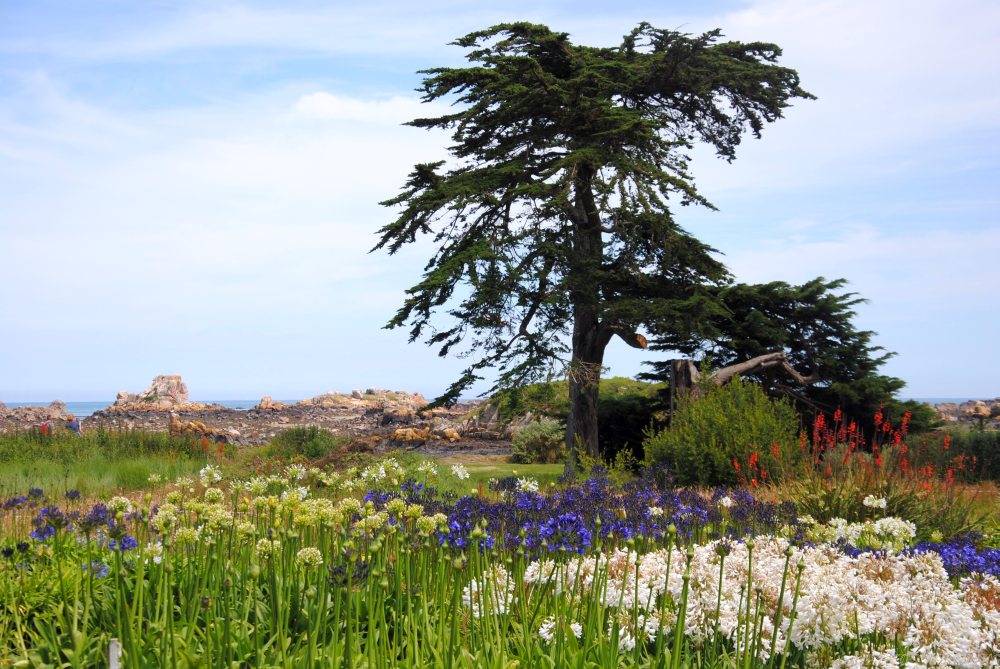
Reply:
x=589, y=342
x=685, y=376
x=590, y=336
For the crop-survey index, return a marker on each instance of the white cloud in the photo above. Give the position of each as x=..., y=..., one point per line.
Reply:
x=219, y=210
x=330, y=107
x=254, y=210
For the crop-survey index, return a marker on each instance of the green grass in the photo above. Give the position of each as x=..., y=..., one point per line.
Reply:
x=481, y=469
x=94, y=476
x=97, y=464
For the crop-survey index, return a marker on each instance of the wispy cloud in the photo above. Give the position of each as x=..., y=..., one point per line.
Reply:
x=234, y=208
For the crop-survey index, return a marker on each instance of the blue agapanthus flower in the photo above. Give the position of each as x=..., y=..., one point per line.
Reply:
x=123, y=544
x=97, y=568
x=962, y=555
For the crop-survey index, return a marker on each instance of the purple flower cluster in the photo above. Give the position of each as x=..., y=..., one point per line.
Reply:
x=49, y=521
x=97, y=522
x=963, y=555
x=97, y=568
x=573, y=518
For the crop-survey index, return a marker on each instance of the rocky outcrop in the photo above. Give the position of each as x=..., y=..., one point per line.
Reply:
x=485, y=422
x=369, y=422
x=974, y=412
x=267, y=404
x=396, y=402
x=167, y=391
x=27, y=417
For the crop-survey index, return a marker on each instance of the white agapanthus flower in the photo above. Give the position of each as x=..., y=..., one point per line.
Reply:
x=492, y=593
x=256, y=486
x=295, y=494
x=889, y=533
x=460, y=471
x=726, y=502
x=888, y=599
x=527, y=485
x=295, y=472
x=120, y=505
x=309, y=557
x=873, y=502
x=154, y=552
x=547, y=630
x=209, y=474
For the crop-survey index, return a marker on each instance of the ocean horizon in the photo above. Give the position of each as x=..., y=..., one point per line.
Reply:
x=82, y=409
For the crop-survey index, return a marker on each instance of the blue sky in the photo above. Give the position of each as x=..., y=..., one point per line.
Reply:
x=192, y=188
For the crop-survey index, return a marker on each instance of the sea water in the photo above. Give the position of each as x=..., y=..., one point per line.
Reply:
x=84, y=409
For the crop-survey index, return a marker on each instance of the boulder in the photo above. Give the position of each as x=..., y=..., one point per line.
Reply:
x=978, y=410
x=167, y=391
x=332, y=400
x=267, y=404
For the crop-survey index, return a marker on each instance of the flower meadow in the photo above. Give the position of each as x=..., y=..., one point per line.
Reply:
x=375, y=566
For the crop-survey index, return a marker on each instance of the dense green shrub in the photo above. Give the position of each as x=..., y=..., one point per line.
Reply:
x=982, y=448
x=542, y=441
x=626, y=410
x=308, y=442
x=972, y=455
x=719, y=424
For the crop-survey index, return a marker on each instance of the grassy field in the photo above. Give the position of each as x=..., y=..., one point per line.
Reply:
x=295, y=555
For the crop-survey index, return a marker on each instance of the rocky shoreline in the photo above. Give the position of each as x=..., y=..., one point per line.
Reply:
x=373, y=419
x=981, y=413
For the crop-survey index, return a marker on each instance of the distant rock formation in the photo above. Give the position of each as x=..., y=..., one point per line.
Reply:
x=32, y=415
x=267, y=404
x=395, y=402
x=983, y=412
x=167, y=392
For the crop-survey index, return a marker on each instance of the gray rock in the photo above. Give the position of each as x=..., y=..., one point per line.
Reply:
x=166, y=391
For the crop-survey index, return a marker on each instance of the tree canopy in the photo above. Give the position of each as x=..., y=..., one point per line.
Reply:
x=812, y=324
x=553, y=218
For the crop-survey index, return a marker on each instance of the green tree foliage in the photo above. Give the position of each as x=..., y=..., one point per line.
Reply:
x=552, y=219
x=813, y=324
x=626, y=410
x=733, y=421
